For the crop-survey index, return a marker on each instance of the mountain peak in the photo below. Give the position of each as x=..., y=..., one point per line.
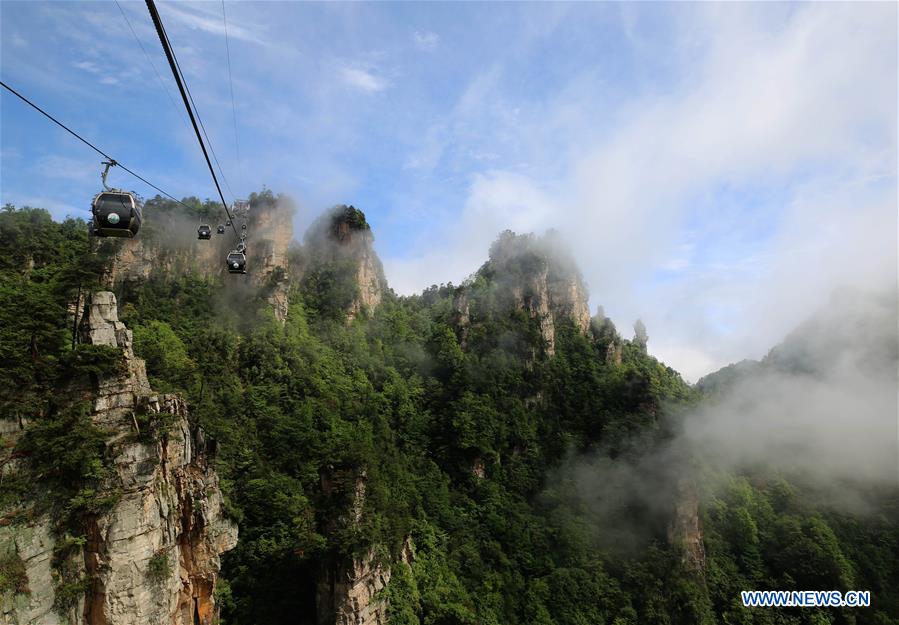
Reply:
x=343, y=263
x=536, y=274
x=343, y=224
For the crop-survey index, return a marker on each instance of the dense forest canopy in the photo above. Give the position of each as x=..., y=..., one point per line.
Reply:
x=507, y=472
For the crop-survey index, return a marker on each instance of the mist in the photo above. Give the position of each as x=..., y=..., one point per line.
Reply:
x=822, y=406
x=820, y=410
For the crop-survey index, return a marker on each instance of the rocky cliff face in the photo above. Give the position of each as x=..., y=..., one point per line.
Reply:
x=347, y=592
x=341, y=242
x=168, y=245
x=272, y=233
x=370, y=278
x=32, y=545
x=535, y=275
x=153, y=557
x=347, y=588
x=685, y=528
x=568, y=296
x=161, y=252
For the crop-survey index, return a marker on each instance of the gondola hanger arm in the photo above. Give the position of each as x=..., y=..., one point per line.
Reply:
x=109, y=163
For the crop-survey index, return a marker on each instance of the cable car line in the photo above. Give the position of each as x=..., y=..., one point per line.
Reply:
x=203, y=128
x=163, y=39
x=199, y=118
x=231, y=83
x=150, y=61
x=88, y=143
x=236, y=261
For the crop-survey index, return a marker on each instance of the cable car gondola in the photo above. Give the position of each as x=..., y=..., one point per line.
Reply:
x=243, y=227
x=115, y=213
x=204, y=232
x=237, y=262
x=228, y=223
x=220, y=229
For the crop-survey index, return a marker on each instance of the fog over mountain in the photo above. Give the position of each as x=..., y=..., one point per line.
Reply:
x=821, y=409
x=822, y=405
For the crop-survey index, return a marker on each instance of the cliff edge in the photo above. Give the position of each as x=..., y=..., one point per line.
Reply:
x=152, y=556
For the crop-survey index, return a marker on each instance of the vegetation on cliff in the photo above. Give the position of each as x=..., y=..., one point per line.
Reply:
x=458, y=436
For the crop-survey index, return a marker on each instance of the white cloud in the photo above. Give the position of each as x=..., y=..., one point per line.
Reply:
x=105, y=75
x=88, y=66
x=426, y=40
x=478, y=112
x=362, y=79
x=197, y=18
x=497, y=201
x=799, y=105
x=771, y=107
x=429, y=150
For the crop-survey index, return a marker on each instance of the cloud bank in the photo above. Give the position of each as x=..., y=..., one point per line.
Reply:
x=819, y=410
x=722, y=208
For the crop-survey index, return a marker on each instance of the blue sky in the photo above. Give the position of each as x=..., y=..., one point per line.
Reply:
x=717, y=169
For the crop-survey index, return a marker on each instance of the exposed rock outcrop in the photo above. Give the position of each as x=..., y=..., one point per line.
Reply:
x=272, y=232
x=341, y=244
x=535, y=275
x=33, y=544
x=347, y=588
x=347, y=592
x=532, y=295
x=461, y=315
x=370, y=278
x=568, y=296
x=640, y=336
x=153, y=556
x=614, y=353
x=158, y=251
x=168, y=245
x=685, y=529
x=604, y=332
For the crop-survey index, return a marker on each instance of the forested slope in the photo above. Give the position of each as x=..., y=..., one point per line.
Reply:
x=464, y=447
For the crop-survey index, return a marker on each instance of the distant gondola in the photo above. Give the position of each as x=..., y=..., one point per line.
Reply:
x=243, y=227
x=228, y=223
x=237, y=262
x=220, y=229
x=204, y=232
x=115, y=214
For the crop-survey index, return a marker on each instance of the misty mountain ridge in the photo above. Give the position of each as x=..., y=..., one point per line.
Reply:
x=855, y=331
